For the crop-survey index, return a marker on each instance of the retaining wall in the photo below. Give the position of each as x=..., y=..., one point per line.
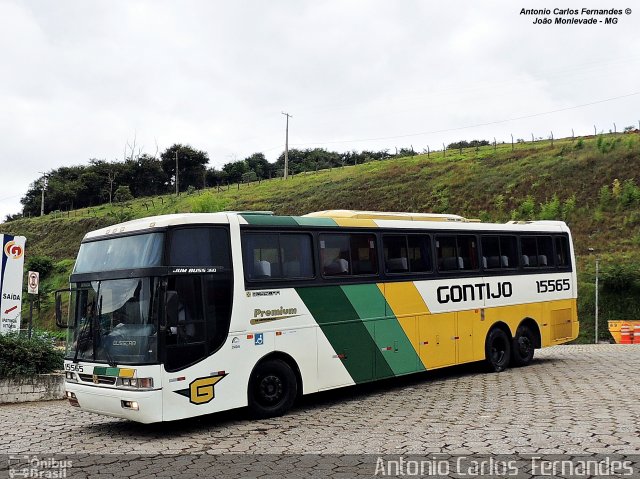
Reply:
x=44, y=387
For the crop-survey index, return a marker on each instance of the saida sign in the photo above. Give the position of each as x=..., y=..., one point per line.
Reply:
x=11, y=282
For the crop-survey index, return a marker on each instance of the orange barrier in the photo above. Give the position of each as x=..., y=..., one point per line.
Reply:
x=615, y=328
x=625, y=334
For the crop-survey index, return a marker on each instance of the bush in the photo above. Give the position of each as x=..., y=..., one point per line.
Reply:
x=20, y=356
x=550, y=210
x=629, y=194
x=605, y=197
x=122, y=194
x=41, y=264
x=620, y=278
x=526, y=210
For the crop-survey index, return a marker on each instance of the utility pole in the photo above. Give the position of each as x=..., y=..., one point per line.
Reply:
x=596, y=319
x=286, y=147
x=177, y=190
x=44, y=187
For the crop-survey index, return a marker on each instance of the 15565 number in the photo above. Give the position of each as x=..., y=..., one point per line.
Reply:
x=552, y=285
x=73, y=367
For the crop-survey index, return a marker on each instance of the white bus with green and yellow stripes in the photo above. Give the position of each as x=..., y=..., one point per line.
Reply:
x=181, y=315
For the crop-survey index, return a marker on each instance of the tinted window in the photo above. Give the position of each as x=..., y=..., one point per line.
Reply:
x=200, y=247
x=217, y=297
x=537, y=252
x=419, y=254
x=277, y=255
x=457, y=252
x=186, y=339
x=407, y=254
x=296, y=255
x=139, y=251
x=562, y=251
x=348, y=254
x=499, y=252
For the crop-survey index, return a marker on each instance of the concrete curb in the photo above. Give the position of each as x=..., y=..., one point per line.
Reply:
x=43, y=387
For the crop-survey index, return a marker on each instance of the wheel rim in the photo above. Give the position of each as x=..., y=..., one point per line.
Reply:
x=498, y=351
x=270, y=390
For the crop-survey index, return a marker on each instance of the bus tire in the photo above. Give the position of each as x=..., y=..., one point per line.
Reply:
x=523, y=347
x=273, y=389
x=497, y=350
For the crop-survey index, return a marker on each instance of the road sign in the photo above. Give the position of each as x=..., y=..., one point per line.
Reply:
x=33, y=281
x=11, y=267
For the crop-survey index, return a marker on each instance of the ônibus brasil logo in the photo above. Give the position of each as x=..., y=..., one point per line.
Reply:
x=12, y=250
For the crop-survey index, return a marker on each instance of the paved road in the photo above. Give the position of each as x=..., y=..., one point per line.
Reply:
x=571, y=400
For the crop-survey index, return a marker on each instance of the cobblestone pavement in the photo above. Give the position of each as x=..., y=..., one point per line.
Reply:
x=570, y=400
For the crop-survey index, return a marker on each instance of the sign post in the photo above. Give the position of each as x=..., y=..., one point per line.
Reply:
x=11, y=273
x=33, y=281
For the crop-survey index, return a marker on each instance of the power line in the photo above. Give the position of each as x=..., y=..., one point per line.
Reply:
x=533, y=115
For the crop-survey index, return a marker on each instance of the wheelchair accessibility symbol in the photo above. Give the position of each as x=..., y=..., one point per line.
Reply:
x=259, y=339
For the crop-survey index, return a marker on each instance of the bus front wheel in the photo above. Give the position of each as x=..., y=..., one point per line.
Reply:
x=498, y=350
x=272, y=389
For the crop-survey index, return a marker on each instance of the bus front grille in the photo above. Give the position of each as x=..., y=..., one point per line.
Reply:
x=96, y=379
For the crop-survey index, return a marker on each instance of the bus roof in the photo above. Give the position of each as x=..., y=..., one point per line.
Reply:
x=330, y=218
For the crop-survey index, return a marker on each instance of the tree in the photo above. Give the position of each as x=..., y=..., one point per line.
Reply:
x=146, y=177
x=233, y=171
x=122, y=194
x=259, y=165
x=191, y=165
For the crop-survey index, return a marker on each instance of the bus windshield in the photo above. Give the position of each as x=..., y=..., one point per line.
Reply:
x=114, y=321
x=138, y=251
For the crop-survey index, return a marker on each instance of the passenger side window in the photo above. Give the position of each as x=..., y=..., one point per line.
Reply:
x=348, y=254
x=499, y=252
x=407, y=254
x=537, y=252
x=277, y=256
x=457, y=252
x=562, y=251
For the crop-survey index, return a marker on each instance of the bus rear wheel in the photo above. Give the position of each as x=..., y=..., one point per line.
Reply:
x=523, y=347
x=272, y=389
x=497, y=350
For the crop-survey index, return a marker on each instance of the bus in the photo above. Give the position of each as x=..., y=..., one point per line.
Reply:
x=176, y=316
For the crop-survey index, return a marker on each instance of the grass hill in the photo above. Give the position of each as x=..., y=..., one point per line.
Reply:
x=589, y=182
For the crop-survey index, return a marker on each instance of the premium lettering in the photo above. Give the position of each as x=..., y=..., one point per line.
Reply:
x=261, y=313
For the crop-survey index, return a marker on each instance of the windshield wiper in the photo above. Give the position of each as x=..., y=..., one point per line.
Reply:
x=110, y=360
x=81, y=332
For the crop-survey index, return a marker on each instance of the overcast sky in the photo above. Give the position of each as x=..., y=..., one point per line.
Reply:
x=81, y=78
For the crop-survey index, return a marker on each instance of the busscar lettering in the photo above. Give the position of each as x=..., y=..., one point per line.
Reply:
x=472, y=292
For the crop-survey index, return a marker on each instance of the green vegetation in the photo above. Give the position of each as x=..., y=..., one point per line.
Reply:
x=20, y=357
x=591, y=182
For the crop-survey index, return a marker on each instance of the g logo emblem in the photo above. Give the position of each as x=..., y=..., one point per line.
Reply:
x=12, y=250
x=201, y=390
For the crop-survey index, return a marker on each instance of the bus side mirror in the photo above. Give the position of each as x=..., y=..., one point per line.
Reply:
x=59, y=321
x=171, y=308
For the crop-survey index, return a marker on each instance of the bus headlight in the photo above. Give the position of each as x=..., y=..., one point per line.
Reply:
x=138, y=383
x=69, y=376
x=72, y=398
x=145, y=383
x=129, y=405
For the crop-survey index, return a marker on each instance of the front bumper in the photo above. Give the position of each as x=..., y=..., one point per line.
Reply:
x=108, y=401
